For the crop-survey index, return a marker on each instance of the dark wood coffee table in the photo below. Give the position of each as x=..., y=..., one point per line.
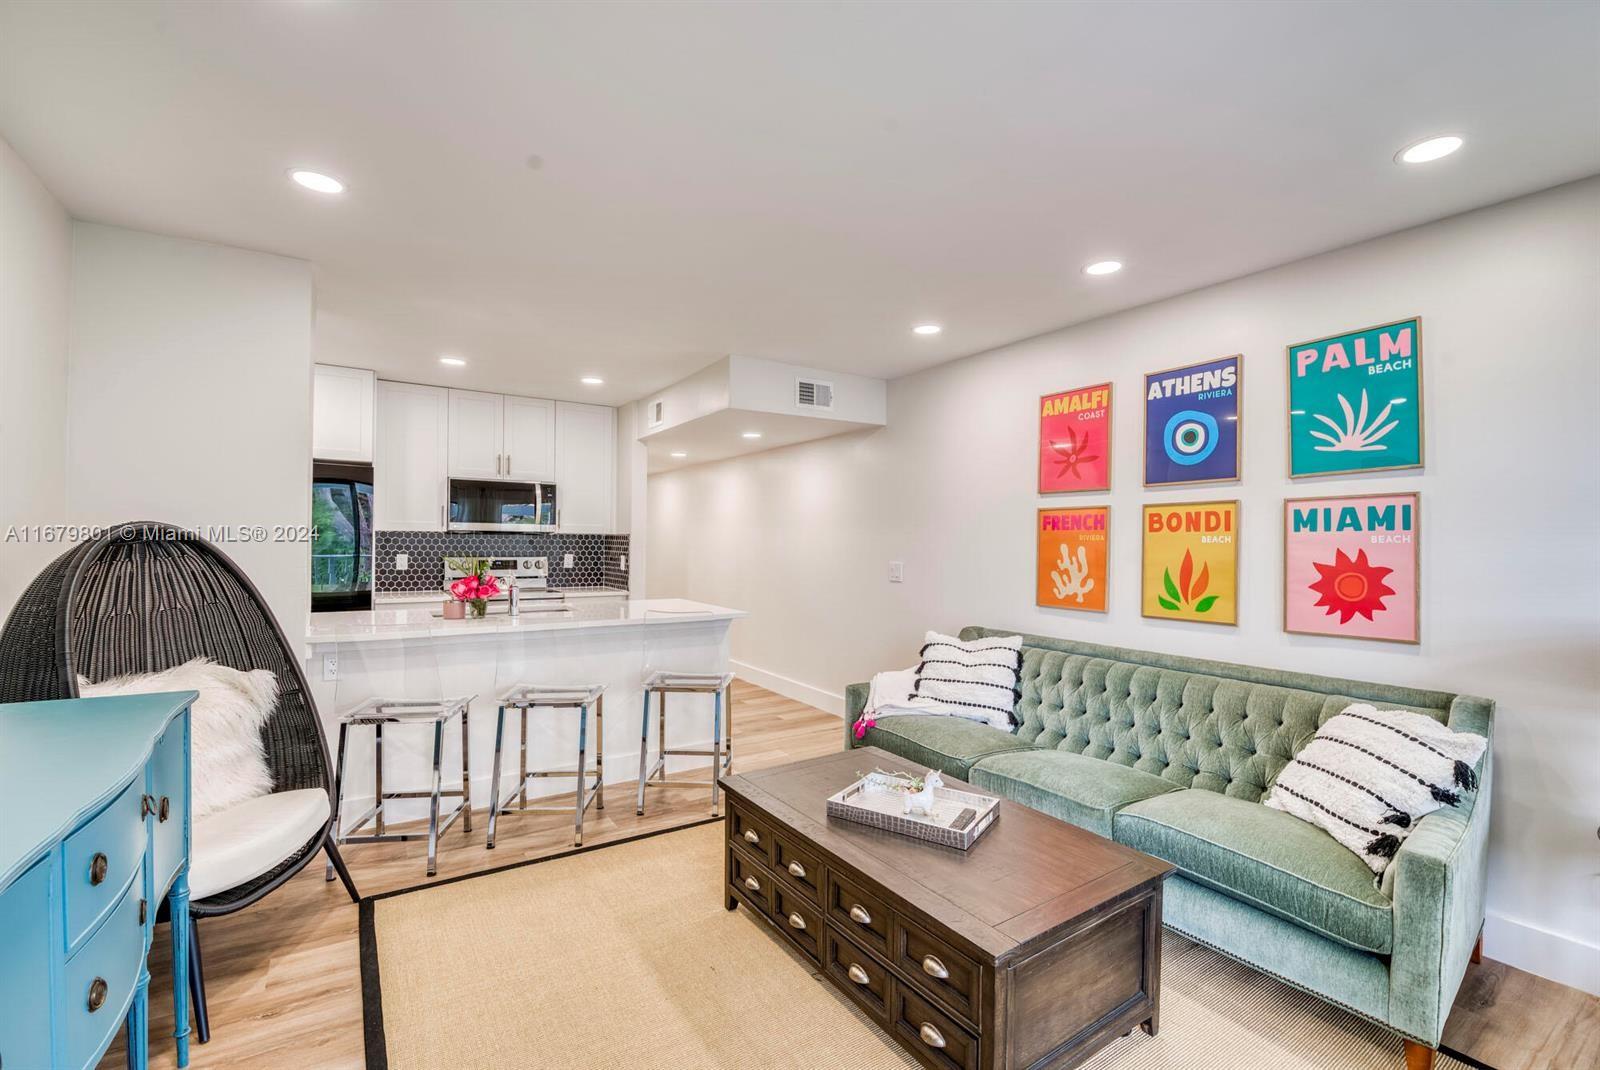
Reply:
x=1035, y=948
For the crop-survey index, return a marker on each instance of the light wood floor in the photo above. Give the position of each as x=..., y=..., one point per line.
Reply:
x=284, y=977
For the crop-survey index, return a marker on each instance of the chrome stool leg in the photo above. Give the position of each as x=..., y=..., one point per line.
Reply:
x=466, y=774
x=583, y=758
x=716, y=750
x=494, y=782
x=600, y=752
x=644, y=750
x=377, y=773
x=433, y=805
x=522, y=764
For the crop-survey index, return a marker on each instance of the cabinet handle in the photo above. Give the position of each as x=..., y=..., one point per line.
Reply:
x=147, y=806
x=97, y=868
x=934, y=968
x=797, y=870
x=859, y=915
x=508, y=464
x=751, y=837
x=97, y=994
x=931, y=1036
x=752, y=884
x=143, y=908
x=797, y=922
x=166, y=809
x=857, y=974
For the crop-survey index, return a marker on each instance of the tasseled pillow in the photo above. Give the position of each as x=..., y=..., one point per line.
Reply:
x=977, y=679
x=1370, y=774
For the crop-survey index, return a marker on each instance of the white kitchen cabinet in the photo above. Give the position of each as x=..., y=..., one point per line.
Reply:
x=477, y=435
x=530, y=439
x=342, y=403
x=412, y=467
x=586, y=471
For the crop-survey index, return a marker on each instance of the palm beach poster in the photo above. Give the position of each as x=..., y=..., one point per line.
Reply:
x=1191, y=562
x=1072, y=558
x=1191, y=423
x=1075, y=440
x=1350, y=566
x=1355, y=401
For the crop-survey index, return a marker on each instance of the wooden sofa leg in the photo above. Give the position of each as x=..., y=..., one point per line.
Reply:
x=1477, y=949
x=1418, y=1056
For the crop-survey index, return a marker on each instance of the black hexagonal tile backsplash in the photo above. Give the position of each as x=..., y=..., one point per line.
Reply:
x=596, y=559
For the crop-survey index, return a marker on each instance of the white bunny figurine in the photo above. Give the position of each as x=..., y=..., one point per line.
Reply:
x=921, y=802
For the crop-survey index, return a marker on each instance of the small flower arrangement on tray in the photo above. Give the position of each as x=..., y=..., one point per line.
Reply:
x=473, y=590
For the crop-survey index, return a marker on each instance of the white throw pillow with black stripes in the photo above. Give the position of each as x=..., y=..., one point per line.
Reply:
x=977, y=680
x=1369, y=775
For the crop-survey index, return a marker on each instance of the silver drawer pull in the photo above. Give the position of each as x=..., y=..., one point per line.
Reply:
x=857, y=974
x=859, y=915
x=797, y=870
x=752, y=884
x=931, y=1036
x=751, y=837
x=934, y=968
x=796, y=921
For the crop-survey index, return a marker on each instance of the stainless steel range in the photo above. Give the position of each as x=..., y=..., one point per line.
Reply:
x=529, y=575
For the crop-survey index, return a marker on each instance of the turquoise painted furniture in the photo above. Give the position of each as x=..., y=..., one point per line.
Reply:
x=95, y=797
x=1174, y=755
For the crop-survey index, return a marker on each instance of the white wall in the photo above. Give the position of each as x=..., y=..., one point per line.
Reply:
x=34, y=256
x=1510, y=298
x=189, y=395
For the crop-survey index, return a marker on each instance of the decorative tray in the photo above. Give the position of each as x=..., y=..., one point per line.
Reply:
x=958, y=817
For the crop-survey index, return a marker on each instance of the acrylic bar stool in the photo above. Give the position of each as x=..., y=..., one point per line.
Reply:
x=525, y=697
x=378, y=712
x=663, y=683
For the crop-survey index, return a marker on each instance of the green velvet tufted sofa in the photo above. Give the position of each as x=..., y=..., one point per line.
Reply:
x=1173, y=756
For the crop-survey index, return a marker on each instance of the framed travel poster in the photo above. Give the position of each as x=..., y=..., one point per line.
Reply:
x=1072, y=558
x=1191, y=423
x=1355, y=401
x=1191, y=562
x=1075, y=440
x=1351, y=566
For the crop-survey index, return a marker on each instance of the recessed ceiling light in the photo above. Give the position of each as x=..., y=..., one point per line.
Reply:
x=321, y=183
x=679, y=454
x=926, y=328
x=1433, y=148
x=592, y=380
x=752, y=434
x=1103, y=267
x=454, y=362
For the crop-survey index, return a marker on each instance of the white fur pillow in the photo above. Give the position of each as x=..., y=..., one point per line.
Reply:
x=228, y=761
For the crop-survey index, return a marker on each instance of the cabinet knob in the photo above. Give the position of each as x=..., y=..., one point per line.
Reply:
x=797, y=870
x=166, y=808
x=934, y=968
x=97, y=868
x=857, y=974
x=931, y=1036
x=97, y=994
x=147, y=806
x=859, y=915
x=143, y=907
x=751, y=837
x=752, y=884
x=796, y=921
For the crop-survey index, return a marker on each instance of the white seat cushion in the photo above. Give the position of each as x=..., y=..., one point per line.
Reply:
x=244, y=841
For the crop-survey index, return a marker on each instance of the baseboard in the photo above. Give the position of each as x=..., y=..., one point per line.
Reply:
x=790, y=688
x=1557, y=956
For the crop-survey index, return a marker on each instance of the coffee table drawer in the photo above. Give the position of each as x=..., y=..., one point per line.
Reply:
x=797, y=867
x=929, y=1031
x=861, y=975
x=749, y=834
x=859, y=912
x=799, y=920
x=936, y=967
x=750, y=880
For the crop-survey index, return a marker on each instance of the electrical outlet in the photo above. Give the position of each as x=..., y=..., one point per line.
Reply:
x=330, y=666
x=566, y=560
x=897, y=571
x=402, y=562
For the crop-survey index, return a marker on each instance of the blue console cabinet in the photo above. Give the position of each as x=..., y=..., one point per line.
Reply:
x=94, y=834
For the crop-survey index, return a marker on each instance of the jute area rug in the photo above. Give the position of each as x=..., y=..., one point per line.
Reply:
x=623, y=956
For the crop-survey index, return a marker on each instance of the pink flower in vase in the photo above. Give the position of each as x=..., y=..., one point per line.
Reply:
x=864, y=724
x=460, y=591
x=488, y=587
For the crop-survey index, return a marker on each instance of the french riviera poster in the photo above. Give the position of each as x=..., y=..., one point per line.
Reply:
x=1355, y=401
x=1075, y=440
x=1072, y=558
x=1191, y=423
x=1350, y=566
x=1191, y=562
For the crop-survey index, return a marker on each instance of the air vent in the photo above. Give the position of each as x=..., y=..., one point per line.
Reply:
x=813, y=394
x=658, y=412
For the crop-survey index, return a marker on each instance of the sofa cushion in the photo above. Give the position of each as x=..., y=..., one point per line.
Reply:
x=1081, y=790
x=1264, y=857
x=948, y=744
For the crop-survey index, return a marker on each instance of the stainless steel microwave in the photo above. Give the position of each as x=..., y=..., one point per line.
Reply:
x=501, y=505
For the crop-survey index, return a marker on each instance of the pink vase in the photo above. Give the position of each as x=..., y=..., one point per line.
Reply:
x=454, y=610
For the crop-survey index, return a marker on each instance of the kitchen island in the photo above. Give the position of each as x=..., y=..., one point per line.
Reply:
x=402, y=651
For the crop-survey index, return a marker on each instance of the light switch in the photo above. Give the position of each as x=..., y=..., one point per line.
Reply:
x=897, y=571
x=566, y=560
x=402, y=562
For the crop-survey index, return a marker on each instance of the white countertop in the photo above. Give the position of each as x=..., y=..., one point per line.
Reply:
x=419, y=622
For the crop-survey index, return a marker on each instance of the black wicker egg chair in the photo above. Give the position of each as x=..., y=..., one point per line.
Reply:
x=145, y=597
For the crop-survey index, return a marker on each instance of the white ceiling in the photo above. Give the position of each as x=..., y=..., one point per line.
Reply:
x=796, y=181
